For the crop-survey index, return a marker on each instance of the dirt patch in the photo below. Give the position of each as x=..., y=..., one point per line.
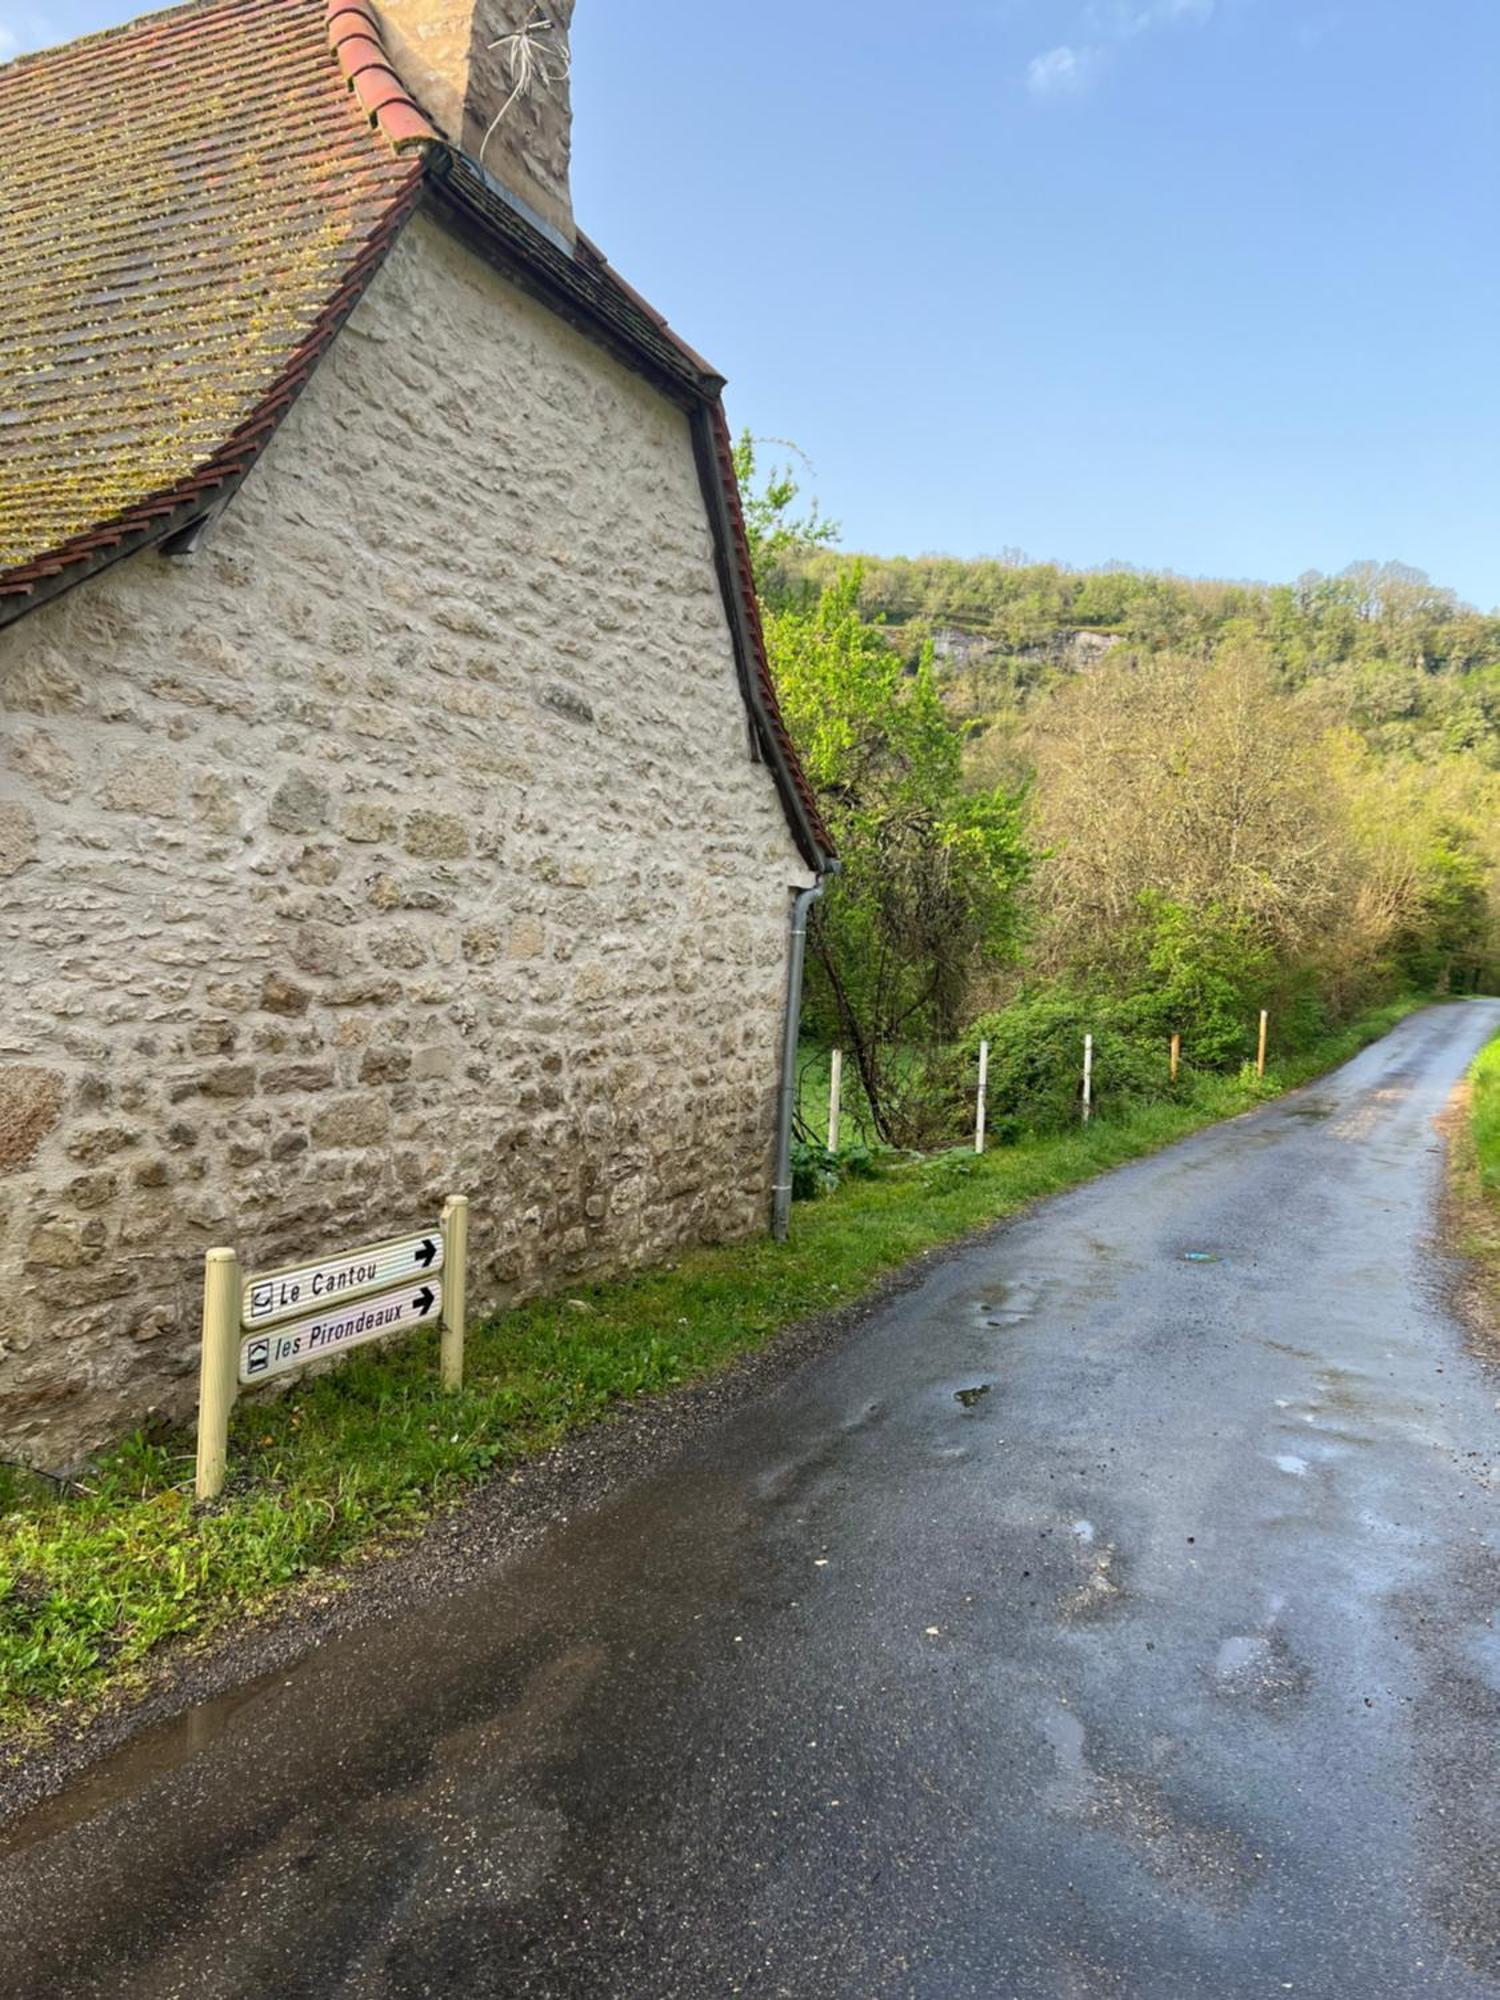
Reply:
x=1469, y=1222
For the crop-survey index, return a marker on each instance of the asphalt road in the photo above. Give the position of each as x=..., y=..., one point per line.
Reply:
x=1113, y=1615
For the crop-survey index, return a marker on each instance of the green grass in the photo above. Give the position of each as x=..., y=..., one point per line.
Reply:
x=94, y=1581
x=1486, y=1115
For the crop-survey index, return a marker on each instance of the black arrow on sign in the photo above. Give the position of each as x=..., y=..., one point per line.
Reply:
x=423, y=1300
x=426, y=1255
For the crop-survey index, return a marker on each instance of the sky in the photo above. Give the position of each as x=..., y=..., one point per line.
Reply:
x=1204, y=285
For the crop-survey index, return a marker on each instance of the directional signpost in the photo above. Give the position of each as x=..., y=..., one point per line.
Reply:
x=265, y=1354
x=271, y=1322
x=293, y=1293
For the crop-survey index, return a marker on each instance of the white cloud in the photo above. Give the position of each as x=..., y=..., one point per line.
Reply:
x=1125, y=19
x=1067, y=71
x=1062, y=72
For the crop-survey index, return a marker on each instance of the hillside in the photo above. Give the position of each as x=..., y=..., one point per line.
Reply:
x=1393, y=654
x=1126, y=804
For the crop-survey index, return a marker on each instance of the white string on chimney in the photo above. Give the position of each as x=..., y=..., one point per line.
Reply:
x=539, y=50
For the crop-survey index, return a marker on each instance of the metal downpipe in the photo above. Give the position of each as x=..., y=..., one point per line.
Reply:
x=781, y=1195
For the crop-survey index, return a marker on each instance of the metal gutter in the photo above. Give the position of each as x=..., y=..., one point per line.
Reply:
x=786, y=1097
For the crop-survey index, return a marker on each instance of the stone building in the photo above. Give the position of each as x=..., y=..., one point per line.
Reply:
x=393, y=797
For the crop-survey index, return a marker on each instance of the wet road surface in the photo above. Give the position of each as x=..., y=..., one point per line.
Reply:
x=1113, y=1615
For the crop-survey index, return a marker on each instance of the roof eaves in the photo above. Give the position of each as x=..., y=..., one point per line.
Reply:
x=737, y=580
x=580, y=288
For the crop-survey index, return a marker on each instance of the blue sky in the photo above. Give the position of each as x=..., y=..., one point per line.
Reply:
x=1210, y=285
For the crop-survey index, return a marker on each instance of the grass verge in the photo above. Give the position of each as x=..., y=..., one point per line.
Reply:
x=94, y=1581
x=1485, y=1117
x=1473, y=1218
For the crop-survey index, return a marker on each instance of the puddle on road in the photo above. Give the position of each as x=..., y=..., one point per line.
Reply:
x=1009, y=1304
x=152, y=1754
x=1260, y=1668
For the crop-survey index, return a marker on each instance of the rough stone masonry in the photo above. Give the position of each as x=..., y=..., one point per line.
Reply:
x=405, y=840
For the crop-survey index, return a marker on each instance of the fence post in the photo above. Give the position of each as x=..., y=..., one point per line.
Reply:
x=835, y=1090
x=1088, y=1078
x=984, y=1083
x=455, y=1227
x=1260, y=1054
x=1176, y=1055
x=218, y=1369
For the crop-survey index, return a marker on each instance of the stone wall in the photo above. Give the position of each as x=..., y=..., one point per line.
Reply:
x=405, y=839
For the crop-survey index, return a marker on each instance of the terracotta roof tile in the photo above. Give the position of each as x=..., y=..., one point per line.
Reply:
x=189, y=207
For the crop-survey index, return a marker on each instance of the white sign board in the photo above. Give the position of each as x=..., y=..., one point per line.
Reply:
x=337, y=1329
x=302, y=1288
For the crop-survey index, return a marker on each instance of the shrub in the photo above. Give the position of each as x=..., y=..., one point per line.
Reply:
x=1036, y=1056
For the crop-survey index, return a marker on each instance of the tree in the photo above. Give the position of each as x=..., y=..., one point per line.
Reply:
x=778, y=538
x=1196, y=781
x=929, y=891
x=929, y=896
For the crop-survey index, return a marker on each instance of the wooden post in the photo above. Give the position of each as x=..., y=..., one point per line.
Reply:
x=984, y=1084
x=1176, y=1055
x=1260, y=1054
x=835, y=1090
x=455, y=1228
x=1088, y=1078
x=218, y=1368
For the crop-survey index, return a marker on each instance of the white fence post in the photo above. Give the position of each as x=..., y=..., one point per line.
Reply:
x=835, y=1090
x=1088, y=1078
x=984, y=1081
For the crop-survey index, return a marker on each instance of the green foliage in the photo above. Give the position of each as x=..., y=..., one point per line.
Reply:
x=815, y=1171
x=779, y=539
x=1207, y=976
x=1486, y=1116
x=941, y=1172
x=1036, y=1056
x=931, y=869
x=1401, y=652
x=1216, y=805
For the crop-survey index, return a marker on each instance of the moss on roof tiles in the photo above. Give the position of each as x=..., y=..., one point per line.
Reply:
x=181, y=200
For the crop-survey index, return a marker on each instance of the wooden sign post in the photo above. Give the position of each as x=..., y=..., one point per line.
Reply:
x=1176, y=1055
x=1260, y=1054
x=269, y=1324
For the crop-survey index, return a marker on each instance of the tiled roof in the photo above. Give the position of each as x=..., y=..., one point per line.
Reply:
x=189, y=208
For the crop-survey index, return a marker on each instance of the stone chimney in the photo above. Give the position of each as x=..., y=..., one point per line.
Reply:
x=454, y=57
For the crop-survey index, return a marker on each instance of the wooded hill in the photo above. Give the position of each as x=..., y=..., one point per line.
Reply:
x=1129, y=804
x=1402, y=659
